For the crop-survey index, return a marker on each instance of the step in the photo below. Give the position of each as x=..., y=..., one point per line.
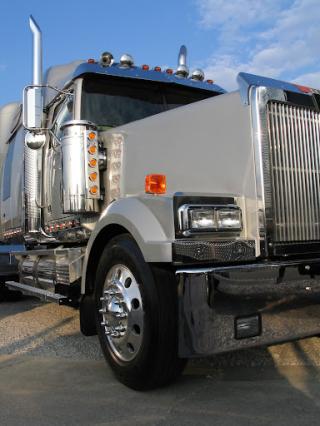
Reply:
x=40, y=293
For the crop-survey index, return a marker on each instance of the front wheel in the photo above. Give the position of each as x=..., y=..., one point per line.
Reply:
x=136, y=313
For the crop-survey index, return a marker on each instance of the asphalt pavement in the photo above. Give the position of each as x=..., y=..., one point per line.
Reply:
x=52, y=375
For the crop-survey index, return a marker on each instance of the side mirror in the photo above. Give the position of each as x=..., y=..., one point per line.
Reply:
x=35, y=140
x=32, y=109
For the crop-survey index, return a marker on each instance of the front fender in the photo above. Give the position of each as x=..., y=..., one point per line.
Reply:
x=150, y=222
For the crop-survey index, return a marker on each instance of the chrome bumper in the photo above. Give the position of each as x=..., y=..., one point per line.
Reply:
x=234, y=307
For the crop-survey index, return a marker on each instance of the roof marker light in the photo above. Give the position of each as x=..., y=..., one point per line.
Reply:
x=209, y=81
x=157, y=69
x=145, y=67
x=303, y=89
x=169, y=71
x=91, y=61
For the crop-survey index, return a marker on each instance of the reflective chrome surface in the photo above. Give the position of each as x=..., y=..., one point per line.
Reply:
x=76, y=197
x=126, y=60
x=246, y=81
x=285, y=297
x=106, y=59
x=32, y=188
x=197, y=74
x=46, y=268
x=295, y=171
x=259, y=97
x=35, y=140
x=122, y=313
x=182, y=69
x=37, y=51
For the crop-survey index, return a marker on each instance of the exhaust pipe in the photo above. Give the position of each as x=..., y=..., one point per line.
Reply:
x=182, y=70
x=182, y=58
x=33, y=110
x=37, y=51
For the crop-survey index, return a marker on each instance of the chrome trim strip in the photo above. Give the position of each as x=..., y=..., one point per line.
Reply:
x=259, y=97
x=184, y=220
x=247, y=267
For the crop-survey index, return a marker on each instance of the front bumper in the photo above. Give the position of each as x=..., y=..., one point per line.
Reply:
x=234, y=307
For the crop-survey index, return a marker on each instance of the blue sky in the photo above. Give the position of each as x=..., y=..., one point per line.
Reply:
x=279, y=39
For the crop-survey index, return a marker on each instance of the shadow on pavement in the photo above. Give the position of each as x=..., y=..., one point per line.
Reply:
x=45, y=390
x=52, y=375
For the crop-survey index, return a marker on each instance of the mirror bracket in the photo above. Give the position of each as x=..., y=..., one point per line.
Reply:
x=33, y=108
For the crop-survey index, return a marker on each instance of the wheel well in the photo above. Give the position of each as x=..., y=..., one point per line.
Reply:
x=99, y=244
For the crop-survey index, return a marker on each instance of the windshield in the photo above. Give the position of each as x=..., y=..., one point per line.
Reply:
x=112, y=102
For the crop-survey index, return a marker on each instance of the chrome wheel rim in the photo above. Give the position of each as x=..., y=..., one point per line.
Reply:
x=122, y=312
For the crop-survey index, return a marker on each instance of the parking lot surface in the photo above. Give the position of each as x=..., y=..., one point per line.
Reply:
x=52, y=375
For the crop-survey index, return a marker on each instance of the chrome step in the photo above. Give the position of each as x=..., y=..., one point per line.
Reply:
x=44, y=295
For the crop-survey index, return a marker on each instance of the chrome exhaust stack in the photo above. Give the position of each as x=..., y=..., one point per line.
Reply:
x=37, y=51
x=182, y=70
x=35, y=139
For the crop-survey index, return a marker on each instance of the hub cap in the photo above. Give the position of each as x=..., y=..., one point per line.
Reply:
x=122, y=312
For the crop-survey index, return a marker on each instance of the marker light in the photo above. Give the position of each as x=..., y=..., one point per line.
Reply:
x=93, y=162
x=169, y=71
x=91, y=136
x=155, y=184
x=93, y=176
x=93, y=190
x=145, y=67
x=91, y=61
x=304, y=89
x=92, y=149
x=157, y=69
x=210, y=81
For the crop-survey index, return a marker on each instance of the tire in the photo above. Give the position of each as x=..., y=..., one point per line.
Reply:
x=136, y=315
x=2, y=292
x=7, y=295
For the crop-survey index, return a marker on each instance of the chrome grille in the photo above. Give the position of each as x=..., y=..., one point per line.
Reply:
x=294, y=134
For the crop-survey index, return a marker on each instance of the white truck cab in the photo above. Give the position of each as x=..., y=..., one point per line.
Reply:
x=182, y=220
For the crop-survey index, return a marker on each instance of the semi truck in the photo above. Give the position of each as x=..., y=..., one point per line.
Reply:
x=181, y=219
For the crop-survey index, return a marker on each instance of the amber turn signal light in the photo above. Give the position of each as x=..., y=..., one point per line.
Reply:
x=93, y=162
x=93, y=176
x=91, y=136
x=92, y=149
x=93, y=190
x=156, y=184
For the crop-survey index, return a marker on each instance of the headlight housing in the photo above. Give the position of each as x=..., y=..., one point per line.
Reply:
x=195, y=219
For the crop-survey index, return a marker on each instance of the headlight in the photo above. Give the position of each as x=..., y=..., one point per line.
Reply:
x=229, y=219
x=220, y=218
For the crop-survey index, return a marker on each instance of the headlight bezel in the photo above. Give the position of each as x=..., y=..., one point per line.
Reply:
x=185, y=218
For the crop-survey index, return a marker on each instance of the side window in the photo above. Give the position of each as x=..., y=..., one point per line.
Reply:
x=63, y=113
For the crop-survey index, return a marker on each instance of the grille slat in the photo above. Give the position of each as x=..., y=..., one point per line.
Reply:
x=295, y=172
